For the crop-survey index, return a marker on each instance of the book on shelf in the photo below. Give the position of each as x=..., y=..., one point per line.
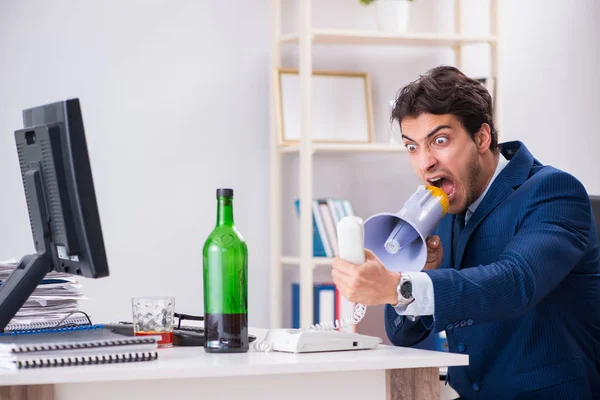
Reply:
x=328, y=306
x=327, y=213
x=324, y=303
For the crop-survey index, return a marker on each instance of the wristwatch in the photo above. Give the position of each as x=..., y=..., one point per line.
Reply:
x=404, y=290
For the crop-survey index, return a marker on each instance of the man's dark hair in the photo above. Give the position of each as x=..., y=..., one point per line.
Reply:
x=446, y=90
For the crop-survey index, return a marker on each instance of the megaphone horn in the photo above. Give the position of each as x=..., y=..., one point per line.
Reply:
x=399, y=240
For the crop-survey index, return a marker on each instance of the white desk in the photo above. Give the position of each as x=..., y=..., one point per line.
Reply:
x=189, y=372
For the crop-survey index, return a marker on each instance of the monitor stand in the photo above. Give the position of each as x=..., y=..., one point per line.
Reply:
x=32, y=268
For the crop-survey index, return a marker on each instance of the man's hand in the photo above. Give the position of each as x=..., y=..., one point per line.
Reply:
x=369, y=284
x=372, y=283
x=434, y=253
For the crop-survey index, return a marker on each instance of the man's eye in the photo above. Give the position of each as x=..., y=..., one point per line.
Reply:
x=441, y=140
x=411, y=148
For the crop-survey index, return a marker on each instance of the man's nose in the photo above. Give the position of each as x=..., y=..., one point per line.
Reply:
x=428, y=161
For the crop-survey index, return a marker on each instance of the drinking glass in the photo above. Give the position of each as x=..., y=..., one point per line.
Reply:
x=154, y=316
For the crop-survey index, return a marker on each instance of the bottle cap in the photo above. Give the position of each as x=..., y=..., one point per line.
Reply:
x=224, y=192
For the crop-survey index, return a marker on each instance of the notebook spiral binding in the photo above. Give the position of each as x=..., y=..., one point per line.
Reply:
x=73, y=346
x=87, y=360
x=45, y=324
x=68, y=346
x=125, y=340
x=51, y=330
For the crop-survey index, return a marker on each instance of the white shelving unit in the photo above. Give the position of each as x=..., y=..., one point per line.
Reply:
x=335, y=36
x=305, y=38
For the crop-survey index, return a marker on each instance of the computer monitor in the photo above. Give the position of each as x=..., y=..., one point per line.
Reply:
x=61, y=201
x=595, y=202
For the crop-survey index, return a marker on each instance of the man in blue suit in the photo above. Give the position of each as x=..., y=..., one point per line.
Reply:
x=517, y=284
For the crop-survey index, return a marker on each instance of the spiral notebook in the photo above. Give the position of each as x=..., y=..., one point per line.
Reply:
x=16, y=326
x=73, y=346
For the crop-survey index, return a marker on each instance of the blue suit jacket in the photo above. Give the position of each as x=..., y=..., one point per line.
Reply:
x=521, y=294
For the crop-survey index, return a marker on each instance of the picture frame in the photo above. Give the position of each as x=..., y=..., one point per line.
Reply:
x=341, y=112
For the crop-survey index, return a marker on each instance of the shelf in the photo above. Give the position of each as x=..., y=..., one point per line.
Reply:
x=348, y=147
x=316, y=261
x=455, y=42
x=334, y=36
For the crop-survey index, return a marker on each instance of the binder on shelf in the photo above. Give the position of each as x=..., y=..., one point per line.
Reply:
x=335, y=211
x=327, y=212
x=344, y=310
x=324, y=303
x=330, y=225
x=78, y=345
x=320, y=245
x=347, y=206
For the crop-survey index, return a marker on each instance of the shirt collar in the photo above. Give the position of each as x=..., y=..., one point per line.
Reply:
x=502, y=162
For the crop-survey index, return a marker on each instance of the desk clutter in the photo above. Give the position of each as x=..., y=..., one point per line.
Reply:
x=55, y=298
x=183, y=335
x=82, y=345
x=87, y=344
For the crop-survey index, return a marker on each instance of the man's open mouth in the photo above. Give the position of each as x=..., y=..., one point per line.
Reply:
x=443, y=183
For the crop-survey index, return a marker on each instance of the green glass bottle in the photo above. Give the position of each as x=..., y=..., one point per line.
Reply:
x=225, y=257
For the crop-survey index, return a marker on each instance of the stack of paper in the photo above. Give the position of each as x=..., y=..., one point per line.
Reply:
x=56, y=297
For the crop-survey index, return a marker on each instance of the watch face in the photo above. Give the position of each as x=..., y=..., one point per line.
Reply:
x=406, y=290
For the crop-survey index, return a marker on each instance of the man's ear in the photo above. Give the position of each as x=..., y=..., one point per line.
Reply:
x=483, y=138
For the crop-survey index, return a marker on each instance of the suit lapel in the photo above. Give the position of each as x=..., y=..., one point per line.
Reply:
x=513, y=175
x=497, y=193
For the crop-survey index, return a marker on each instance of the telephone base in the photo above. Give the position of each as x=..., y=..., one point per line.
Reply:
x=310, y=340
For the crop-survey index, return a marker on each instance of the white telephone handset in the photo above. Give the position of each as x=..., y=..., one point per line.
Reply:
x=324, y=336
x=351, y=242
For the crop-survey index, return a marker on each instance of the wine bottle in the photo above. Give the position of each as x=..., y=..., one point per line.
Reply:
x=225, y=272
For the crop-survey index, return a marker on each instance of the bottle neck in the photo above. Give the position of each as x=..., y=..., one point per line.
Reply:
x=224, y=211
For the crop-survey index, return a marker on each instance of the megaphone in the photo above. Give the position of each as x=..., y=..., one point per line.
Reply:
x=399, y=240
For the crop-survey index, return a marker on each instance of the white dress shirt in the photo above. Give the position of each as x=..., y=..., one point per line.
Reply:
x=422, y=286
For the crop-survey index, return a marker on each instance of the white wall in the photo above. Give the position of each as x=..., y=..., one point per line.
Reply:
x=551, y=84
x=175, y=104
x=174, y=99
